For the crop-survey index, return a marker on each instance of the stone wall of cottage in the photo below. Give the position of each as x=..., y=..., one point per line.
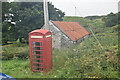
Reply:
x=65, y=41
x=82, y=39
x=56, y=36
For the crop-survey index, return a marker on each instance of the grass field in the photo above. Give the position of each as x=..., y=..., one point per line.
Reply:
x=84, y=60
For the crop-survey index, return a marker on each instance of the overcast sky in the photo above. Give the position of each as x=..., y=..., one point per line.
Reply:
x=86, y=7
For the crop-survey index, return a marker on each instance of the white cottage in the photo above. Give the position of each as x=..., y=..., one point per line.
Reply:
x=66, y=34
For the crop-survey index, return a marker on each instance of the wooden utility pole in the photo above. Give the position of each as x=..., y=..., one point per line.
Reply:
x=46, y=16
x=75, y=10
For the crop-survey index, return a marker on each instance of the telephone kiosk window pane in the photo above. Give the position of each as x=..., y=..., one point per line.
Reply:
x=37, y=48
x=37, y=60
x=37, y=65
x=40, y=69
x=34, y=56
x=37, y=43
x=37, y=52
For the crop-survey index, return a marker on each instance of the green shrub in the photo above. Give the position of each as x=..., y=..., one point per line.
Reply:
x=15, y=51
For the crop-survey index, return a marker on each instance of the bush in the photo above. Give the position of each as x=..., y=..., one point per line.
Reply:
x=15, y=51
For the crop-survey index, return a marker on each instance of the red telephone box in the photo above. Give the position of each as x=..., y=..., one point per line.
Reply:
x=40, y=44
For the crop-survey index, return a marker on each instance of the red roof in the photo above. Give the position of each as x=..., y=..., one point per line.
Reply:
x=72, y=29
x=40, y=31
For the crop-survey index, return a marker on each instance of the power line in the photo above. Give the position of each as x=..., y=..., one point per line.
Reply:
x=76, y=8
x=78, y=11
x=96, y=38
x=75, y=11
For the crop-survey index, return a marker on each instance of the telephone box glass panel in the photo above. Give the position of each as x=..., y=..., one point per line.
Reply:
x=37, y=52
x=37, y=60
x=40, y=69
x=37, y=43
x=34, y=56
x=37, y=48
x=39, y=65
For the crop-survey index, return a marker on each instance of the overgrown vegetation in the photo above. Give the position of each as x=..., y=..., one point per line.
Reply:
x=112, y=19
x=16, y=50
x=84, y=60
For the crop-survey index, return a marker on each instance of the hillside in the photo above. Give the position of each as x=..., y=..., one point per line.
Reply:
x=84, y=60
x=85, y=21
